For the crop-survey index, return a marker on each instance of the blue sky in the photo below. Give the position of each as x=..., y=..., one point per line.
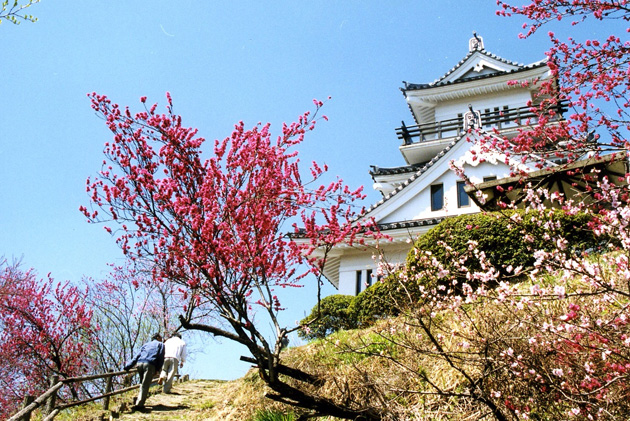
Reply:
x=222, y=61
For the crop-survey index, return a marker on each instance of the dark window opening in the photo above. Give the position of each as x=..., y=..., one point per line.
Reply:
x=462, y=198
x=437, y=197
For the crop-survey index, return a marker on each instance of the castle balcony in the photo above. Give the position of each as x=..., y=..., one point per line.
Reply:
x=421, y=142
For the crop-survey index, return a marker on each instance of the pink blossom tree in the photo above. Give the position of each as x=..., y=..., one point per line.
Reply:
x=45, y=330
x=219, y=227
x=554, y=346
x=590, y=74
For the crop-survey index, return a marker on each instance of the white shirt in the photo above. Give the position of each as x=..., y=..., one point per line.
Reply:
x=175, y=348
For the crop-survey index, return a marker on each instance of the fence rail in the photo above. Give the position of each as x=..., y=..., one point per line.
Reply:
x=49, y=397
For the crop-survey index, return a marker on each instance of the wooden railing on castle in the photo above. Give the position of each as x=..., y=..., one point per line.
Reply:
x=48, y=399
x=499, y=118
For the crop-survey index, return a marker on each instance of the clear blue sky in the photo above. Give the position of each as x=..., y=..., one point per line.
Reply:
x=222, y=61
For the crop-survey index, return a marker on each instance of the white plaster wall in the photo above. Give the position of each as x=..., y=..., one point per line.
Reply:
x=348, y=268
x=350, y=264
x=418, y=205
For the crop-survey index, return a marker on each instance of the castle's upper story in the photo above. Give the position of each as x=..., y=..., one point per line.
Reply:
x=482, y=88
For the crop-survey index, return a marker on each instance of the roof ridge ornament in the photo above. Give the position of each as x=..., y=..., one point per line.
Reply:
x=475, y=43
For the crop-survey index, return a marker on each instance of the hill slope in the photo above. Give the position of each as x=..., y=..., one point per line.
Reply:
x=194, y=400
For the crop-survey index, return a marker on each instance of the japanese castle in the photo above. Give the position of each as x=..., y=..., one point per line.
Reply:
x=419, y=194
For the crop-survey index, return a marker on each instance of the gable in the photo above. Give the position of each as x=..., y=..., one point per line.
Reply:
x=481, y=71
x=399, y=205
x=478, y=63
x=412, y=200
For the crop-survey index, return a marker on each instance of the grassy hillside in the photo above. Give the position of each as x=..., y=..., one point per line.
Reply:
x=194, y=400
x=440, y=373
x=472, y=338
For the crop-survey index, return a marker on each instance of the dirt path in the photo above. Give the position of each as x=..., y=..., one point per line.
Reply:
x=196, y=400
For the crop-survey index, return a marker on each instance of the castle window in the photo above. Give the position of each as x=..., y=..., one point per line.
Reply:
x=489, y=178
x=437, y=197
x=462, y=198
x=359, y=277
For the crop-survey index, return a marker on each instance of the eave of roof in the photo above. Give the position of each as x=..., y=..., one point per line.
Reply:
x=414, y=176
x=376, y=171
x=410, y=224
x=438, y=83
x=597, y=161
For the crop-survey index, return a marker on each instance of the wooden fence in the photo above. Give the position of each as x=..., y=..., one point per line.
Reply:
x=49, y=398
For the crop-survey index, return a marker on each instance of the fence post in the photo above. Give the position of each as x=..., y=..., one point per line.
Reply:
x=127, y=380
x=50, y=403
x=405, y=133
x=28, y=399
x=108, y=388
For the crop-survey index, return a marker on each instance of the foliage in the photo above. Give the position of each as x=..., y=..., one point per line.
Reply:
x=127, y=310
x=269, y=415
x=332, y=314
x=591, y=74
x=217, y=227
x=15, y=12
x=45, y=330
x=508, y=239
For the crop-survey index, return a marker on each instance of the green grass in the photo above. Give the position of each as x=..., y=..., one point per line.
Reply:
x=268, y=415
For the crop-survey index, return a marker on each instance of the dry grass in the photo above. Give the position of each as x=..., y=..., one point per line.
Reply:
x=391, y=366
x=196, y=400
x=376, y=367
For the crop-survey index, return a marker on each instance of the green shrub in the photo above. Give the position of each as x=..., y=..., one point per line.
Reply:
x=502, y=238
x=496, y=234
x=334, y=315
x=372, y=304
x=385, y=298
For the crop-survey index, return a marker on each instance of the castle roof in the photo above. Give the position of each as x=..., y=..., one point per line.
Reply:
x=475, y=59
x=421, y=170
x=378, y=171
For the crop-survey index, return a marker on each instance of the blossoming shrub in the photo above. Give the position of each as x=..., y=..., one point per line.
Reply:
x=544, y=349
x=507, y=239
x=559, y=352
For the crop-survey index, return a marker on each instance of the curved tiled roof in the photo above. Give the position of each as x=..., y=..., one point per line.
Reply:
x=440, y=81
x=411, y=224
x=376, y=171
x=417, y=174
